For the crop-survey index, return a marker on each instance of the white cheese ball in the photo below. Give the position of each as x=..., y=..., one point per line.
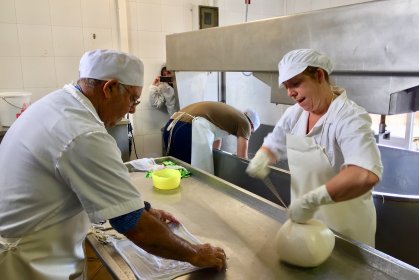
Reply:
x=305, y=245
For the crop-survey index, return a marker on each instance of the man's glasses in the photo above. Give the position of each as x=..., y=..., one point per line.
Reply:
x=133, y=99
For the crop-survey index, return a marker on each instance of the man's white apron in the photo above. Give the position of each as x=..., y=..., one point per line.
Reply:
x=310, y=168
x=52, y=253
x=204, y=133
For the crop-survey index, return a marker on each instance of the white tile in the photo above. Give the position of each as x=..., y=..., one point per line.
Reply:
x=301, y=6
x=320, y=4
x=149, y=17
x=132, y=14
x=33, y=12
x=151, y=44
x=97, y=38
x=150, y=121
x=116, y=45
x=172, y=19
x=11, y=72
x=9, y=45
x=172, y=2
x=189, y=23
x=231, y=18
x=138, y=147
x=38, y=72
x=273, y=7
x=38, y=93
x=35, y=40
x=67, y=69
x=152, y=145
x=96, y=13
x=133, y=42
x=7, y=11
x=289, y=7
x=67, y=41
x=337, y=3
x=66, y=13
x=150, y=1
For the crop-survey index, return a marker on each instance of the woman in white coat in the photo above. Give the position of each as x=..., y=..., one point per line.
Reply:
x=332, y=154
x=162, y=92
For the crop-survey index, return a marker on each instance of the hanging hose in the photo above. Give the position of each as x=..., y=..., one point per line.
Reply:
x=247, y=2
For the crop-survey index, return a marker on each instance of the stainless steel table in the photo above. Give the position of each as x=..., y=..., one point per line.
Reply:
x=245, y=225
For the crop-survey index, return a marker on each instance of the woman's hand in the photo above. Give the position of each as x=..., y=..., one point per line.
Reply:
x=156, y=81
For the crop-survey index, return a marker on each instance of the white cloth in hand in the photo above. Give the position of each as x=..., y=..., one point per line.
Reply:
x=258, y=166
x=145, y=164
x=303, y=208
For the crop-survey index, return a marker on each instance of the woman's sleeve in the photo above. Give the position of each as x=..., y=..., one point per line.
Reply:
x=156, y=98
x=357, y=142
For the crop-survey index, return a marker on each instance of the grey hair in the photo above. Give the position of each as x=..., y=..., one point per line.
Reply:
x=92, y=83
x=89, y=82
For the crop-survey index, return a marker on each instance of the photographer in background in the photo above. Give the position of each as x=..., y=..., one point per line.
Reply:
x=162, y=92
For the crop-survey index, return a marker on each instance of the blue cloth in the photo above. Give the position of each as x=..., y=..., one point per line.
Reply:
x=180, y=142
x=126, y=222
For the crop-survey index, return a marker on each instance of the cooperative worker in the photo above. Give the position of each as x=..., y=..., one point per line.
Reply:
x=332, y=154
x=60, y=171
x=193, y=132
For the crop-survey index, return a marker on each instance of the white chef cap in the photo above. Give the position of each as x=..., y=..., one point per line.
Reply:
x=110, y=64
x=296, y=61
x=253, y=117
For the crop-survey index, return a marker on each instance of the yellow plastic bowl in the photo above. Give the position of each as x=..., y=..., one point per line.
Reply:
x=166, y=179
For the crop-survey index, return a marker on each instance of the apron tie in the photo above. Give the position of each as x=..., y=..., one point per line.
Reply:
x=10, y=244
x=175, y=118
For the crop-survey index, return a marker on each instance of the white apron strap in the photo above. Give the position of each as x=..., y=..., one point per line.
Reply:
x=175, y=118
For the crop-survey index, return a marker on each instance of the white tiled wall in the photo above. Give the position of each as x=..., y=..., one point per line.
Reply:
x=43, y=40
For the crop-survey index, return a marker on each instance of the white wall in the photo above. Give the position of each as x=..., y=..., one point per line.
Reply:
x=43, y=40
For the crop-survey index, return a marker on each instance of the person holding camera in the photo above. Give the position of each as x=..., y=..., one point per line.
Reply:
x=162, y=92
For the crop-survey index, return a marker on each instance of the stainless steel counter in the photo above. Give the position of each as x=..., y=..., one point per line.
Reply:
x=245, y=225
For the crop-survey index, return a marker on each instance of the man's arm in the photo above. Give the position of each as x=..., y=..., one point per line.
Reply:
x=242, y=147
x=217, y=144
x=153, y=235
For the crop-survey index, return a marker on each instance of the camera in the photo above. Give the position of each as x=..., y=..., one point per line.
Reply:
x=165, y=79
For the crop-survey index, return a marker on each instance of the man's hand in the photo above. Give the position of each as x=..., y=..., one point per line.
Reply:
x=258, y=166
x=303, y=208
x=209, y=256
x=163, y=216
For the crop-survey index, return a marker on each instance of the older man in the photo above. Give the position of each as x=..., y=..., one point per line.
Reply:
x=61, y=170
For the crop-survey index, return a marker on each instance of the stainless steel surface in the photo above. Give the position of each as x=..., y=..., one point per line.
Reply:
x=374, y=47
x=245, y=225
x=272, y=188
x=401, y=171
x=397, y=232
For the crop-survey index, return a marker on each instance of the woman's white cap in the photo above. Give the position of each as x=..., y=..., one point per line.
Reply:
x=296, y=61
x=109, y=64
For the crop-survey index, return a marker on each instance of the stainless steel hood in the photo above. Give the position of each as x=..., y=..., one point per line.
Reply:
x=374, y=47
